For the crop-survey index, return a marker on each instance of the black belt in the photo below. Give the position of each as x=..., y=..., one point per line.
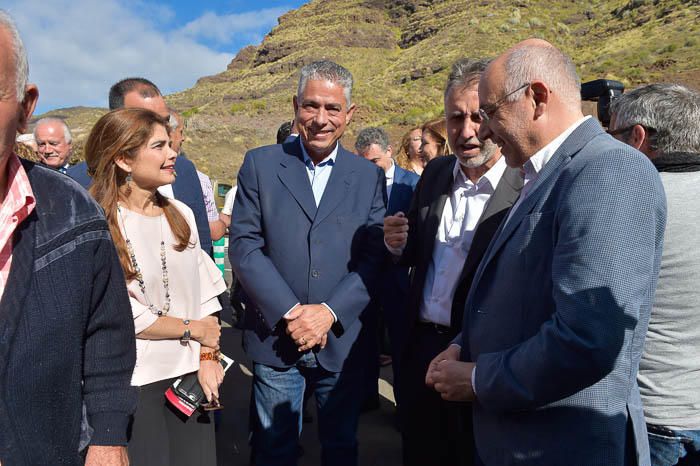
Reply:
x=437, y=328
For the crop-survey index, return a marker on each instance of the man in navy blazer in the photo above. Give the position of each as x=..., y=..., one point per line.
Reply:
x=557, y=313
x=373, y=144
x=307, y=247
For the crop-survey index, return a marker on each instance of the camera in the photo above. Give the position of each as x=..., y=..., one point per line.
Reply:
x=602, y=91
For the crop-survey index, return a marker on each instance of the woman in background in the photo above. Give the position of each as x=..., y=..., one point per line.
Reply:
x=409, y=156
x=434, y=139
x=173, y=285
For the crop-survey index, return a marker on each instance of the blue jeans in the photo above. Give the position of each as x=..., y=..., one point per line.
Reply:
x=669, y=447
x=278, y=397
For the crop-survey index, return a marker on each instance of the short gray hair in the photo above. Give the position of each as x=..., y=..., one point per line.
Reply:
x=545, y=63
x=369, y=136
x=48, y=120
x=326, y=70
x=672, y=110
x=465, y=73
x=19, y=54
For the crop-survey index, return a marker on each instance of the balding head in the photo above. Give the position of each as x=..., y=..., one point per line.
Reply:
x=528, y=96
x=17, y=98
x=137, y=93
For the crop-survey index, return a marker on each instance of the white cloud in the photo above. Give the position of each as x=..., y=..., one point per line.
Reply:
x=79, y=48
x=224, y=28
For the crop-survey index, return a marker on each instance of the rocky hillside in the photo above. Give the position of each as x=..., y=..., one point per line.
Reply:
x=400, y=52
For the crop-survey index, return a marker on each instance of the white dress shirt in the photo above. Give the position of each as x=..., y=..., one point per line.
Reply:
x=460, y=216
x=534, y=165
x=390, y=178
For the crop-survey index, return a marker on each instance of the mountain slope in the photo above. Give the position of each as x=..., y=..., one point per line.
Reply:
x=400, y=52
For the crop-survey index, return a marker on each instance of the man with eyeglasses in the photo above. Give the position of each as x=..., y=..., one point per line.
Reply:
x=458, y=204
x=557, y=312
x=661, y=120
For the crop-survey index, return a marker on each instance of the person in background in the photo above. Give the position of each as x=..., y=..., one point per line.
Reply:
x=217, y=228
x=409, y=156
x=661, y=120
x=286, y=132
x=373, y=144
x=54, y=143
x=67, y=348
x=434, y=140
x=173, y=285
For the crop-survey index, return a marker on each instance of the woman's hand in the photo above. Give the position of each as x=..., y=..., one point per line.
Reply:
x=207, y=331
x=210, y=376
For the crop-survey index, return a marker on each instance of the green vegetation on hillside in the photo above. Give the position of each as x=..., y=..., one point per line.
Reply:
x=400, y=52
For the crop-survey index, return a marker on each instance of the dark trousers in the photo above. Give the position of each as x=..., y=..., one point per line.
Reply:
x=434, y=432
x=162, y=436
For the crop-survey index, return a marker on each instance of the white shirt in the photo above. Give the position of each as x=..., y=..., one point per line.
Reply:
x=320, y=173
x=460, y=216
x=390, y=178
x=534, y=165
x=228, y=201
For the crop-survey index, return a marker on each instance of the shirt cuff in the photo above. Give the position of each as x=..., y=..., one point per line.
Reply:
x=335, y=317
x=474, y=381
x=393, y=251
x=286, y=314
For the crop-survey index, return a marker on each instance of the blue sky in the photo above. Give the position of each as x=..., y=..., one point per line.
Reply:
x=78, y=48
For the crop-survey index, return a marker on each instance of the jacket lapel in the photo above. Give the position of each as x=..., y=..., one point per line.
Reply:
x=542, y=186
x=399, y=192
x=338, y=185
x=292, y=173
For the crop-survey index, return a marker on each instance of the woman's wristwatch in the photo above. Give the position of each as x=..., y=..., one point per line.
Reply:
x=187, y=336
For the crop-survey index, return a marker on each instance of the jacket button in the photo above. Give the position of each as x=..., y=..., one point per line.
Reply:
x=315, y=274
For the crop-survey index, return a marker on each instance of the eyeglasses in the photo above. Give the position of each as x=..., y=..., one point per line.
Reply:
x=487, y=111
x=615, y=132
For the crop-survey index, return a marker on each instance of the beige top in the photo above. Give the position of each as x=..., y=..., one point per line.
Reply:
x=194, y=283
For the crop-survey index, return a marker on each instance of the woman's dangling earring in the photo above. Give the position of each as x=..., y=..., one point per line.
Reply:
x=128, y=183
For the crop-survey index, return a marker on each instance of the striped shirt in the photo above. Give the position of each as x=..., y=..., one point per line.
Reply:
x=17, y=205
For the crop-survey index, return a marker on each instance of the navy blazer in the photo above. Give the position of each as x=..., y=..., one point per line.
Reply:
x=401, y=190
x=66, y=330
x=559, y=307
x=186, y=188
x=285, y=250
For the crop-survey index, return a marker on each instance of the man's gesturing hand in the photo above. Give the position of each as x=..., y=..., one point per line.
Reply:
x=450, y=354
x=396, y=230
x=308, y=325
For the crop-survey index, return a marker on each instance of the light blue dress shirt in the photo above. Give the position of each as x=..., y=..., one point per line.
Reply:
x=319, y=174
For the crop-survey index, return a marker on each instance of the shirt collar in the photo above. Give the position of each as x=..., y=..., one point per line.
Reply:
x=493, y=175
x=390, y=172
x=535, y=164
x=330, y=160
x=19, y=196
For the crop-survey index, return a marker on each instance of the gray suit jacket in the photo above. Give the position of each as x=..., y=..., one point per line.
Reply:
x=559, y=307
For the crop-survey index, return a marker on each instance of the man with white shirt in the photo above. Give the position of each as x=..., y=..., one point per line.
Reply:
x=459, y=202
x=555, y=320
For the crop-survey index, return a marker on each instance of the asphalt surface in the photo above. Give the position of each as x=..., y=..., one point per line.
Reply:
x=379, y=441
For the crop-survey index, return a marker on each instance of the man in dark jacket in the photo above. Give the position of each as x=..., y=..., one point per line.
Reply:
x=67, y=347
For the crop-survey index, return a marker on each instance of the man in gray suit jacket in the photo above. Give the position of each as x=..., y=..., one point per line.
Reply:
x=558, y=309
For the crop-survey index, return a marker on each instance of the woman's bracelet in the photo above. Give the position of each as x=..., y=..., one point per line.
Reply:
x=210, y=356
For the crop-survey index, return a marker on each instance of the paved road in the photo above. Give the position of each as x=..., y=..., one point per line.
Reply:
x=379, y=441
